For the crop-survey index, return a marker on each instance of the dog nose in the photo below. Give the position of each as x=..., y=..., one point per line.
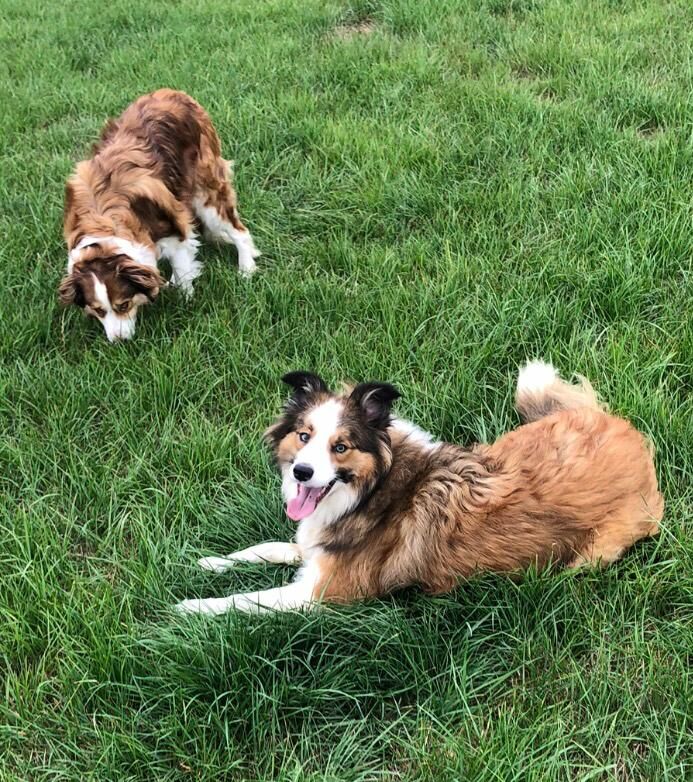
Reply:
x=303, y=472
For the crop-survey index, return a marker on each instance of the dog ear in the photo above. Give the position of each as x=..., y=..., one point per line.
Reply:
x=375, y=401
x=70, y=290
x=144, y=278
x=304, y=383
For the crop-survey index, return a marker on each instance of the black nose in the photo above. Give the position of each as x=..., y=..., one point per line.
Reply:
x=303, y=472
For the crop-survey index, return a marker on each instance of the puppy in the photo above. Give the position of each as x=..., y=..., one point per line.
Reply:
x=381, y=505
x=156, y=168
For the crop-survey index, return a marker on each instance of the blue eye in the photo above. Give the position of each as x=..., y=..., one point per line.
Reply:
x=340, y=448
x=303, y=437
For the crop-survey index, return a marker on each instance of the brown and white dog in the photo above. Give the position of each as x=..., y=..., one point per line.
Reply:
x=155, y=170
x=380, y=505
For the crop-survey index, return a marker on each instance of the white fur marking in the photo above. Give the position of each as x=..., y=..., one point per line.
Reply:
x=274, y=553
x=415, y=434
x=294, y=596
x=115, y=326
x=223, y=231
x=138, y=252
x=535, y=376
x=341, y=499
x=185, y=269
x=101, y=293
x=324, y=419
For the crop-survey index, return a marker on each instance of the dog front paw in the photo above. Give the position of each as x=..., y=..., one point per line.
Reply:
x=209, y=607
x=215, y=564
x=186, y=290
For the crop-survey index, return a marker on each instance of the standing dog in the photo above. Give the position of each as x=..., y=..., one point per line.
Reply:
x=380, y=505
x=156, y=168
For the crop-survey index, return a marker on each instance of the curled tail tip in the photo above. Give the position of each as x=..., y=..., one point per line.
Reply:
x=541, y=392
x=535, y=376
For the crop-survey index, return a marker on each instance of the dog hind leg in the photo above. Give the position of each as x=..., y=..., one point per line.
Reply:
x=216, y=207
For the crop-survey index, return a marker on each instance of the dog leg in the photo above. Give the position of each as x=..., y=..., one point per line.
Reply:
x=291, y=597
x=230, y=233
x=185, y=268
x=596, y=557
x=216, y=207
x=286, y=598
x=273, y=553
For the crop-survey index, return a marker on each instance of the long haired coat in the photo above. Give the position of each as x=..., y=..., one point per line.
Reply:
x=380, y=505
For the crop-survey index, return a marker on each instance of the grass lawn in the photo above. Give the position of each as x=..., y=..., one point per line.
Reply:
x=439, y=190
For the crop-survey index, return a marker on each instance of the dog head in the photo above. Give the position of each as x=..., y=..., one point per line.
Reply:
x=111, y=289
x=331, y=448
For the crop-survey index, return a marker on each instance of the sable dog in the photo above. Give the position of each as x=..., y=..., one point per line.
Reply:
x=156, y=168
x=381, y=505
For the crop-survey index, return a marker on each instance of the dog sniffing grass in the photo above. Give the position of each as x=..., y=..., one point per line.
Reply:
x=439, y=193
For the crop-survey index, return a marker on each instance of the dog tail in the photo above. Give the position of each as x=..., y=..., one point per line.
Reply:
x=540, y=392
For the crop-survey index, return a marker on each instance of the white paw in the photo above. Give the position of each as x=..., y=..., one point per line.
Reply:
x=210, y=607
x=186, y=289
x=247, y=270
x=215, y=564
x=189, y=607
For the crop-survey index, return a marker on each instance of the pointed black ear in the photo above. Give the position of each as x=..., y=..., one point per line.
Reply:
x=304, y=383
x=375, y=401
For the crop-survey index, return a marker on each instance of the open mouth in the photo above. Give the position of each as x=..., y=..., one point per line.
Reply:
x=307, y=500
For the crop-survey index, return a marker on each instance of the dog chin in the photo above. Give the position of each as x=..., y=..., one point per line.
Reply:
x=119, y=329
x=337, y=501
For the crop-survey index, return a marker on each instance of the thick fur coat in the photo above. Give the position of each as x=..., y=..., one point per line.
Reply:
x=156, y=170
x=381, y=505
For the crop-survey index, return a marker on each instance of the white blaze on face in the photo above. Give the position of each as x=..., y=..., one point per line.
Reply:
x=317, y=453
x=116, y=326
x=322, y=499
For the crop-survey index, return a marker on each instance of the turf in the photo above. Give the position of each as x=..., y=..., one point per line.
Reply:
x=440, y=190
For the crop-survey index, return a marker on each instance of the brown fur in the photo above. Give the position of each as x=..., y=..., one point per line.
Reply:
x=574, y=486
x=356, y=466
x=128, y=283
x=139, y=185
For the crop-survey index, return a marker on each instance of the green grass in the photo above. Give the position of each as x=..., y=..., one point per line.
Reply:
x=440, y=190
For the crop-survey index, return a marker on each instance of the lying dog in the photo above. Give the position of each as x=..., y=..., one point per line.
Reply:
x=380, y=505
x=156, y=168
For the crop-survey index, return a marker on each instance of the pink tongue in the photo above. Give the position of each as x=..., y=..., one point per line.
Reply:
x=303, y=504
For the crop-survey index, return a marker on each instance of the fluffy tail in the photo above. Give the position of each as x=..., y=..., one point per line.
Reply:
x=540, y=392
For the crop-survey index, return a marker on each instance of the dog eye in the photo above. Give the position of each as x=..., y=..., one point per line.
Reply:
x=340, y=448
x=303, y=437
x=99, y=312
x=124, y=306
